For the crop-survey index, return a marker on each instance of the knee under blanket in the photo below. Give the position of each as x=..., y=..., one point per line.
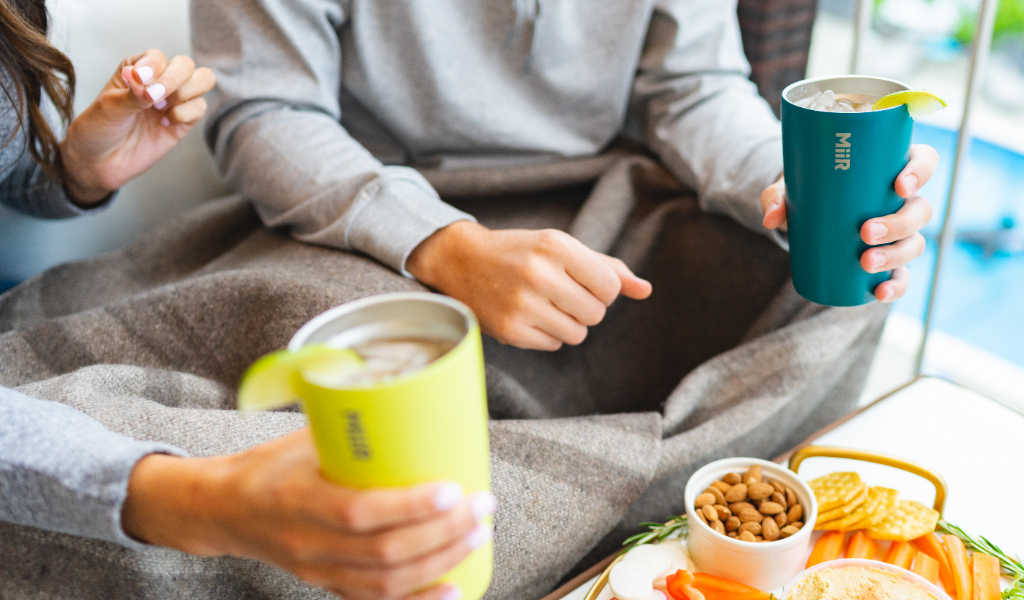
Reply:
x=724, y=359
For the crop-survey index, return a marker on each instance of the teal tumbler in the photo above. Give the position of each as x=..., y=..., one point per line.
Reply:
x=840, y=170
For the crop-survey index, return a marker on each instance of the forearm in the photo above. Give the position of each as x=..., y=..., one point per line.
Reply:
x=62, y=471
x=303, y=171
x=171, y=502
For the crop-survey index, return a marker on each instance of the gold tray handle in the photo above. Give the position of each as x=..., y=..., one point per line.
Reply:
x=873, y=457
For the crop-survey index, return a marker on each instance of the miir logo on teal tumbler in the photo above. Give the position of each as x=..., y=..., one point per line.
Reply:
x=840, y=170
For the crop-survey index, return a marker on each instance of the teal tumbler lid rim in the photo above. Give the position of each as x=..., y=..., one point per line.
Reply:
x=820, y=82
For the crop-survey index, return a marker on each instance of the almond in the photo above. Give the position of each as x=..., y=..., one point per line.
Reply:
x=753, y=473
x=795, y=513
x=770, y=508
x=770, y=529
x=703, y=500
x=760, y=491
x=717, y=526
x=780, y=499
x=797, y=524
x=788, y=530
x=778, y=487
x=733, y=535
x=732, y=523
x=746, y=536
x=717, y=493
x=721, y=486
x=780, y=520
x=748, y=514
x=753, y=527
x=791, y=498
x=709, y=512
x=737, y=507
x=759, y=539
x=732, y=479
x=723, y=512
x=737, y=493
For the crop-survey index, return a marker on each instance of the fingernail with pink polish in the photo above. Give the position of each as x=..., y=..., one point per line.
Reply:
x=160, y=105
x=483, y=504
x=876, y=261
x=478, y=537
x=911, y=182
x=448, y=495
x=156, y=92
x=145, y=74
x=165, y=122
x=453, y=592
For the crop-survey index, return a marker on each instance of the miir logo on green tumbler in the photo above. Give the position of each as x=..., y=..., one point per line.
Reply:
x=840, y=170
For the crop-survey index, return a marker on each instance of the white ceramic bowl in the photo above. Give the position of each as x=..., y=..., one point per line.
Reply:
x=765, y=565
x=914, y=578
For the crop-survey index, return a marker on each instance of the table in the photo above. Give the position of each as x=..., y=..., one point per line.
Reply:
x=973, y=441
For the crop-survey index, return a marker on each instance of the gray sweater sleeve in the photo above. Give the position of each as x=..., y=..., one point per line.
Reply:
x=62, y=471
x=702, y=115
x=277, y=137
x=27, y=189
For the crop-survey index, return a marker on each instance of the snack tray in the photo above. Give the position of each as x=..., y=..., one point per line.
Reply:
x=798, y=457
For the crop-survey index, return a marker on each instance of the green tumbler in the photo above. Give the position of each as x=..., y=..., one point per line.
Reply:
x=840, y=170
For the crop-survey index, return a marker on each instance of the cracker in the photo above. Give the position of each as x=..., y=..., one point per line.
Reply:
x=888, y=499
x=863, y=512
x=841, y=511
x=835, y=490
x=908, y=521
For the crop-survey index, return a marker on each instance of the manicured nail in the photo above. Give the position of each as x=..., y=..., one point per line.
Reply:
x=145, y=74
x=160, y=105
x=910, y=181
x=878, y=231
x=887, y=294
x=773, y=206
x=165, y=122
x=448, y=495
x=124, y=79
x=478, y=537
x=156, y=92
x=483, y=504
x=453, y=592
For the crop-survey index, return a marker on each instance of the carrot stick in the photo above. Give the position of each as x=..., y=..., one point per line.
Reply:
x=900, y=554
x=829, y=547
x=727, y=588
x=927, y=567
x=958, y=563
x=861, y=546
x=985, y=572
x=931, y=545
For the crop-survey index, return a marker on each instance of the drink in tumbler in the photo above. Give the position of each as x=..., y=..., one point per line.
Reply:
x=416, y=413
x=841, y=160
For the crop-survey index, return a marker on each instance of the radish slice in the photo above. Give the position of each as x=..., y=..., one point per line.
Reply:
x=657, y=559
x=631, y=580
x=678, y=554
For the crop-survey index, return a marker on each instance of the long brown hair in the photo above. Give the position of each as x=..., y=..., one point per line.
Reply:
x=33, y=67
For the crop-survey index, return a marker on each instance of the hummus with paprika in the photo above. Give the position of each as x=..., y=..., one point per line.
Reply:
x=856, y=583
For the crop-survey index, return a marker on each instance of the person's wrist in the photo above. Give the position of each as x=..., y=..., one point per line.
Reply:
x=80, y=189
x=435, y=256
x=170, y=502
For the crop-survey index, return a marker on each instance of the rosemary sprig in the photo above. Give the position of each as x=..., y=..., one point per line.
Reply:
x=1011, y=566
x=659, y=532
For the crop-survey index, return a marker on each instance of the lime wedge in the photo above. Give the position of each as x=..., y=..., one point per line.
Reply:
x=270, y=382
x=920, y=103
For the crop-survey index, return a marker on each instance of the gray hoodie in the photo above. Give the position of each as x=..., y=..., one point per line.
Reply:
x=323, y=106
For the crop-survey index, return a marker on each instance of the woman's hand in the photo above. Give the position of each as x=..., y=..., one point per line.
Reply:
x=532, y=289
x=272, y=504
x=148, y=105
x=903, y=227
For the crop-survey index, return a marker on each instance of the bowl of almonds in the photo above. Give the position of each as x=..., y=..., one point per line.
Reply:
x=750, y=521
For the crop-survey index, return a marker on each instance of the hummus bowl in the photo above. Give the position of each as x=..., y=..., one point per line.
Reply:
x=765, y=565
x=860, y=579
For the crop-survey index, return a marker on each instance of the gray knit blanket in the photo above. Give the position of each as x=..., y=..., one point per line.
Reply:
x=724, y=359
